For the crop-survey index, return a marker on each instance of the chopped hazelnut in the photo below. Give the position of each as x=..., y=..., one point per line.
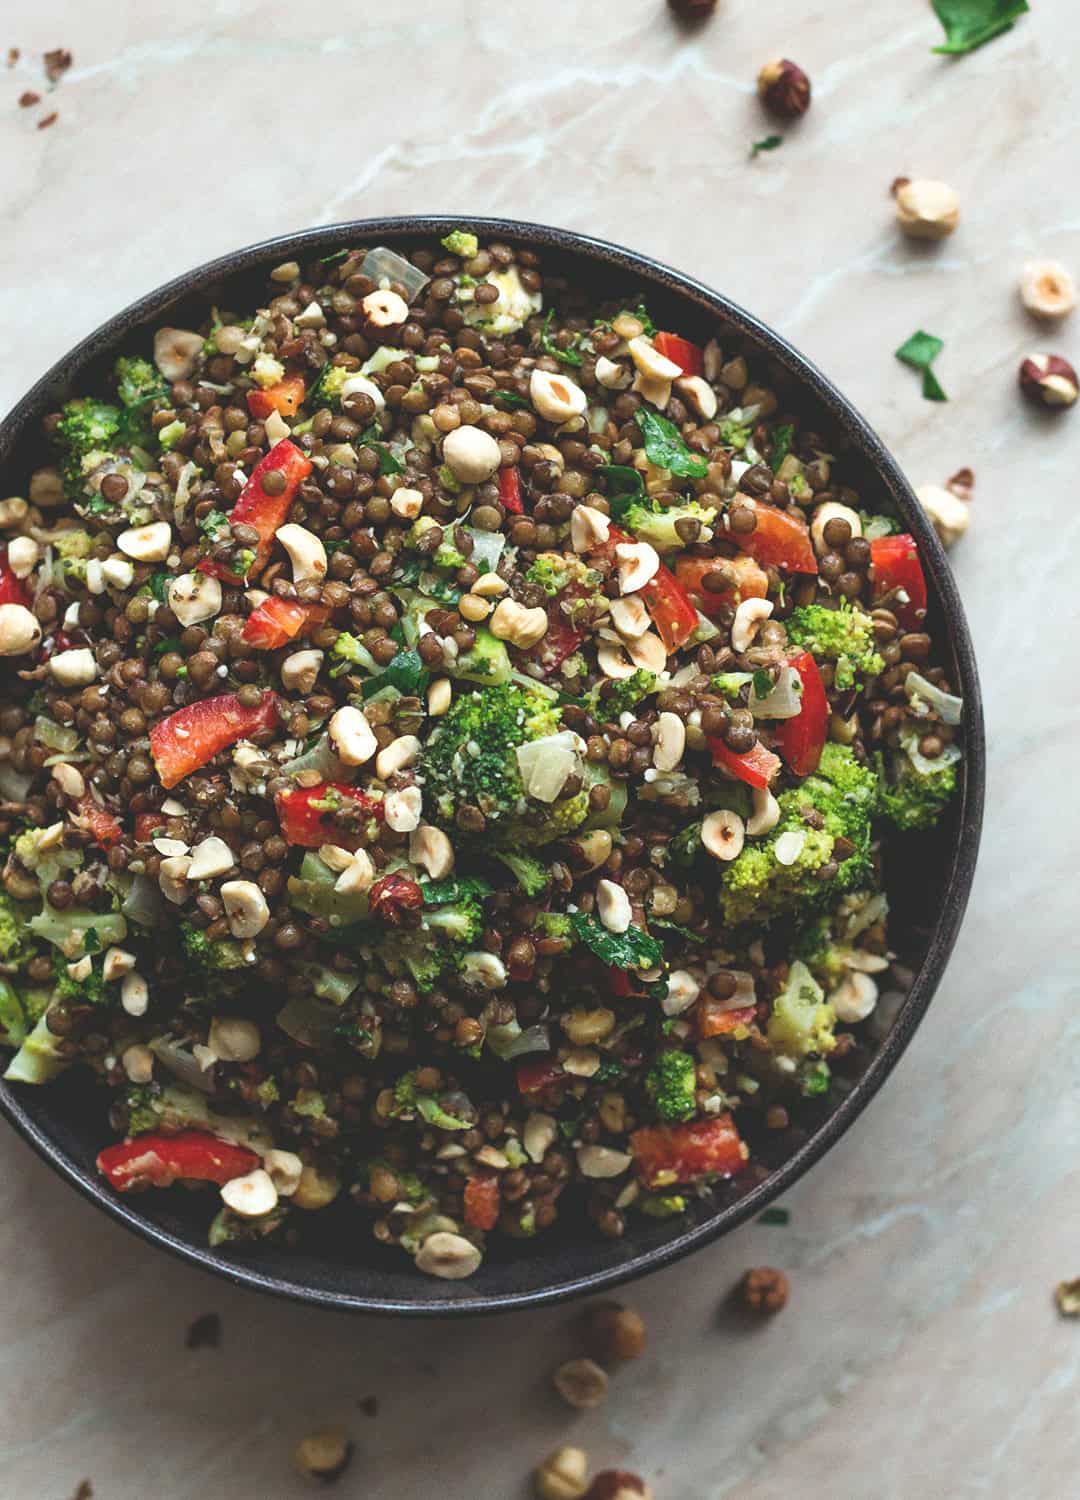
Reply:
x=1049, y=381
x=324, y=1454
x=927, y=210
x=784, y=89
x=614, y=1333
x=764, y=1290
x=581, y=1383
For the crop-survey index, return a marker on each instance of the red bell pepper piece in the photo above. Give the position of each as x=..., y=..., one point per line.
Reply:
x=666, y=1154
x=538, y=1074
x=287, y=397
x=482, y=1201
x=712, y=1021
x=779, y=540
x=105, y=829
x=560, y=641
x=681, y=352
x=392, y=896
x=193, y=735
x=275, y=621
x=308, y=821
x=756, y=767
x=753, y=582
x=510, y=492
x=146, y=824
x=802, y=738
x=670, y=606
x=896, y=565
x=12, y=590
x=160, y=1160
x=263, y=511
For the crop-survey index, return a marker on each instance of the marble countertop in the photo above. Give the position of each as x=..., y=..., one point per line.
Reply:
x=920, y=1354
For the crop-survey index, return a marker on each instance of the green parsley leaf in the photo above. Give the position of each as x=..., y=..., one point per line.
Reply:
x=625, y=487
x=970, y=23
x=769, y=143
x=159, y=586
x=508, y=400
x=456, y=888
x=920, y=351
x=775, y=1216
x=763, y=683
x=167, y=643
x=212, y=523
x=665, y=448
x=632, y=949
x=547, y=343
x=684, y=932
x=406, y=672
x=331, y=260
x=782, y=439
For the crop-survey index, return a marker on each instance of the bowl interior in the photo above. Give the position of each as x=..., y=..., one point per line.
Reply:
x=927, y=876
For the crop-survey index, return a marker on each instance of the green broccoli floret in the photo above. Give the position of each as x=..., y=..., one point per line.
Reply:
x=458, y=921
x=802, y=1021
x=349, y=651
x=86, y=429
x=169, y=435
x=446, y=556
x=88, y=991
x=554, y=571
x=409, y=1101
x=471, y=759
x=556, y=924
x=488, y=662
x=757, y=886
x=461, y=242
x=819, y=950
x=624, y=696
x=40, y=851
x=844, y=635
x=142, y=1116
x=874, y=527
x=917, y=797
x=217, y=956
x=12, y=930
x=671, y=1083
x=139, y=383
x=657, y=523
x=532, y=875
x=141, y=390
x=327, y=389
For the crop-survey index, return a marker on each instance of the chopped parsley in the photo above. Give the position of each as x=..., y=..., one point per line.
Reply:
x=213, y=523
x=549, y=346
x=632, y=949
x=775, y=1216
x=769, y=143
x=782, y=439
x=665, y=448
x=920, y=351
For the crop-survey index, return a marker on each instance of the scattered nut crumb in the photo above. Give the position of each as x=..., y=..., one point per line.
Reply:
x=926, y=209
x=1067, y=1297
x=692, y=10
x=47, y=120
x=369, y=1406
x=13, y=56
x=324, y=1454
x=612, y=1333
x=204, y=1333
x=28, y=98
x=898, y=183
x=764, y=1290
x=962, y=483
x=563, y=1475
x=57, y=62
x=84, y=1491
x=581, y=1383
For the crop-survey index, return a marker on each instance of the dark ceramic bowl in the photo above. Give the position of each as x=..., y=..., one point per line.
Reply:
x=928, y=877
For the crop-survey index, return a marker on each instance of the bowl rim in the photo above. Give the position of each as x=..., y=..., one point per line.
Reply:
x=963, y=854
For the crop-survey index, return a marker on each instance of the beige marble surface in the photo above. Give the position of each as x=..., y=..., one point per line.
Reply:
x=920, y=1355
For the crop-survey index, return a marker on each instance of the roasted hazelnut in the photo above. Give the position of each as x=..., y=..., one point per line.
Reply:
x=1049, y=380
x=581, y=1383
x=764, y=1290
x=784, y=89
x=692, y=10
x=926, y=210
x=613, y=1333
x=1047, y=290
x=617, y=1484
x=564, y=1475
x=324, y=1454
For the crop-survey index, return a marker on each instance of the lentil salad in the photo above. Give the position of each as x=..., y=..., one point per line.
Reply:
x=508, y=688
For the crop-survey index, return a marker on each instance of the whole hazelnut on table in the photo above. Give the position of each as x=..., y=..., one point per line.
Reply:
x=764, y=1290
x=925, y=209
x=947, y=513
x=324, y=1454
x=613, y=1333
x=564, y=1475
x=581, y=1383
x=692, y=10
x=1049, y=380
x=1047, y=290
x=784, y=89
x=617, y=1484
